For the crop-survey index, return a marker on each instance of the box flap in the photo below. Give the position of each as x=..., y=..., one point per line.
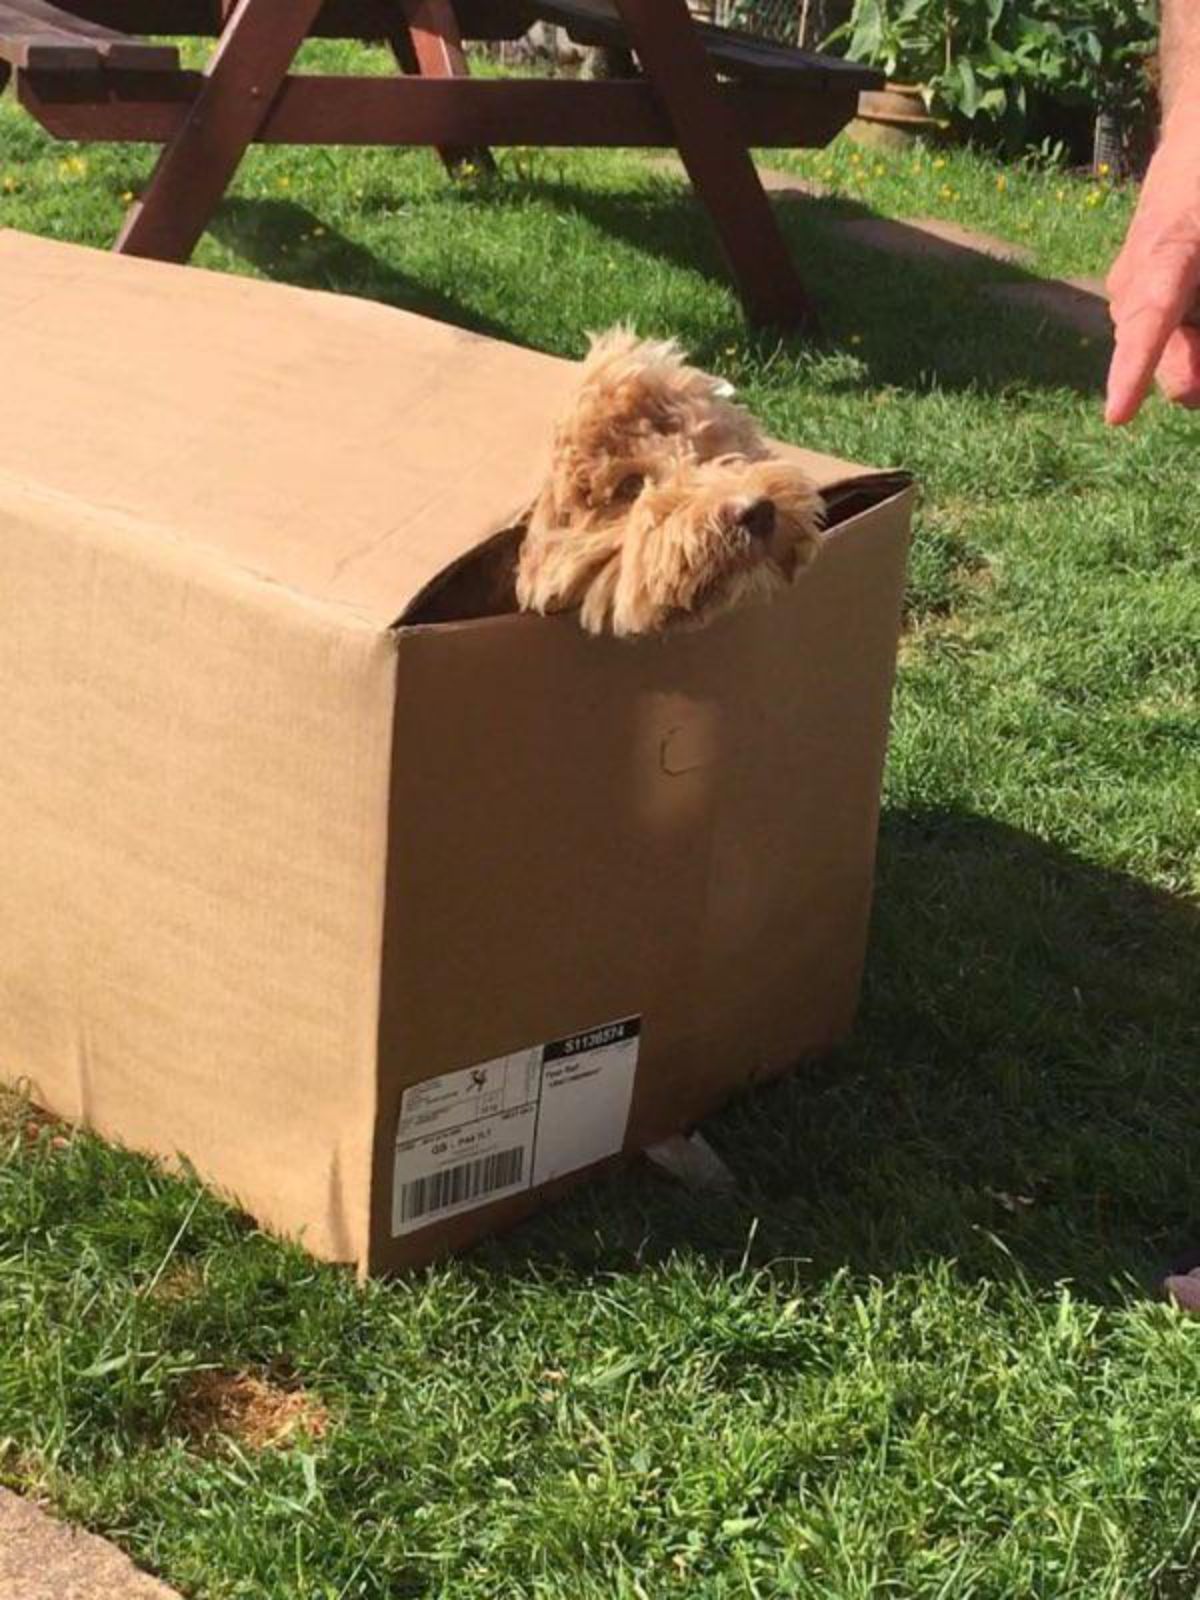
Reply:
x=338, y=447
x=332, y=445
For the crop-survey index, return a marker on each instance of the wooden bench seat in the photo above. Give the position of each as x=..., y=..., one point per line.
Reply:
x=735, y=54
x=39, y=37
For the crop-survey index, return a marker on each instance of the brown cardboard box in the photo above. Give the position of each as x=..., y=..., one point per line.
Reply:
x=281, y=864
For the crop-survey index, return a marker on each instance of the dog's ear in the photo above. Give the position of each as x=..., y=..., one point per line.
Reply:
x=757, y=519
x=556, y=566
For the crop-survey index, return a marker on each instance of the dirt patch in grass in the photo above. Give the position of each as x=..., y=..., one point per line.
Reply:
x=18, y=1117
x=13, y=1111
x=22, y=1471
x=256, y=1412
x=183, y=1281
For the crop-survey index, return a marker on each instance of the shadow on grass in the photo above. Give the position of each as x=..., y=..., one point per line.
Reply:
x=290, y=244
x=922, y=323
x=917, y=325
x=1019, y=1094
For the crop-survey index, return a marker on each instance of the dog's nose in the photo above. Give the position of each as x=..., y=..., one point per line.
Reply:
x=758, y=519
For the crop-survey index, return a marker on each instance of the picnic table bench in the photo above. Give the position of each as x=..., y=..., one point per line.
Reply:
x=86, y=74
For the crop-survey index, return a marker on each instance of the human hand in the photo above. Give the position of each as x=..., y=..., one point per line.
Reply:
x=1154, y=281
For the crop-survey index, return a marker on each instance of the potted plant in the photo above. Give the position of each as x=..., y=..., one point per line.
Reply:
x=895, y=115
x=987, y=65
x=911, y=41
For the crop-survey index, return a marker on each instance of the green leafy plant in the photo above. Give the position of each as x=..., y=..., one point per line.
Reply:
x=988, y=60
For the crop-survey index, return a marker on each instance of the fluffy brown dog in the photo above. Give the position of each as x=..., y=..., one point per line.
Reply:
x=664, y=505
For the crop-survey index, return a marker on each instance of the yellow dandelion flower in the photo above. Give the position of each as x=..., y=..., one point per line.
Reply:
x=1060, y=194
x=1002, y=182
x=284, y=181
x=318, y=232
x=10, y=185
x=946, y=192
x=127, y=197
x=938, y=163
x=880, y=170
x=1104, y=169
x=856, y=338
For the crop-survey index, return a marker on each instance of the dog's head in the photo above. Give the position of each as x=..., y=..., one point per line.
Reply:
x=640, y=412
x=664, y=505
x=711, y=537
x=715, y=536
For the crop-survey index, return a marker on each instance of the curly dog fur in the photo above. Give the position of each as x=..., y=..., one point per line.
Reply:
x=664, y=505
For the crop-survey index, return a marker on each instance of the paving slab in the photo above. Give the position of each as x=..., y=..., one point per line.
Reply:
x=1183, y=1290
x=791, y=183
x=43, y=1559
x=931, y=239
x=774, y=182
x=916, y=237
x=1078, y=303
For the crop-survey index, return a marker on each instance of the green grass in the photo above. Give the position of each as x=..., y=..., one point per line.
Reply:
x=1070, y=226
x=916, y=1354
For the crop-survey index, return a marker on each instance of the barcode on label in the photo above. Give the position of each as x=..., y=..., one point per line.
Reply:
x=438, y=1191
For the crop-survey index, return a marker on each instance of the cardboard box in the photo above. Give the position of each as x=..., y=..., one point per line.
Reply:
x=379, y=922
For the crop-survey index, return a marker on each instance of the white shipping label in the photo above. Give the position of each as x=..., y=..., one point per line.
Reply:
x=471, y=1137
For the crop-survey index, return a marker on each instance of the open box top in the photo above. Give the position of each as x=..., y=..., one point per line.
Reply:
x=345, y=450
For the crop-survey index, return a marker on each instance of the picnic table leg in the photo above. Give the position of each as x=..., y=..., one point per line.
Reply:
x=431, y=45
x=242, y=79
x=717, y=161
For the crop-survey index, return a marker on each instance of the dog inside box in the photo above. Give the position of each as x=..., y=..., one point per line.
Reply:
x=663, y=505
x=482, y=582
x=323, y=880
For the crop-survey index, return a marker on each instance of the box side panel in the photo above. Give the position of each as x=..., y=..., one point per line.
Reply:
x=684, y=830
x=192, y=824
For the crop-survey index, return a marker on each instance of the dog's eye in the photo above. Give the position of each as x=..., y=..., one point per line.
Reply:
x=629, y=488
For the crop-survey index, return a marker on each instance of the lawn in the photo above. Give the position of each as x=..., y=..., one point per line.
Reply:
x=918, y=1353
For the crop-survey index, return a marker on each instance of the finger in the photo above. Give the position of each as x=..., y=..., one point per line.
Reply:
x=1141, y=339
x=1178, y=373
x=1144, y=319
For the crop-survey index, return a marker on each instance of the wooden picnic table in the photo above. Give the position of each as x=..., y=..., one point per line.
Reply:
x=83, y=71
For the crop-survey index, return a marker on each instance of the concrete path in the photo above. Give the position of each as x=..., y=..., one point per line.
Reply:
x=41, y=1559
x=931, y=238
x=1079, y=304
